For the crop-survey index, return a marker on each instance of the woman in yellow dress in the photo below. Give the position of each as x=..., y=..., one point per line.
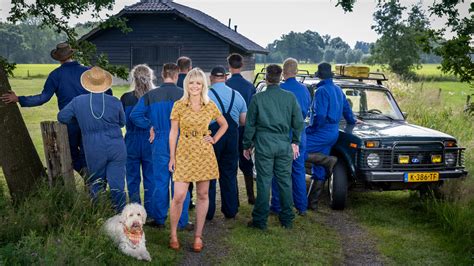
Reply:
x=192, y=158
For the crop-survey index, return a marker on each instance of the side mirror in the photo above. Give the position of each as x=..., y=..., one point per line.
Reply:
x=405, y=115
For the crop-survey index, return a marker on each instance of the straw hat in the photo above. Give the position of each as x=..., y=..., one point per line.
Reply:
x=62, y=52
x=96, y=80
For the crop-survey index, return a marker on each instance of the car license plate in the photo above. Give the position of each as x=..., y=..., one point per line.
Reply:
x=421, y=177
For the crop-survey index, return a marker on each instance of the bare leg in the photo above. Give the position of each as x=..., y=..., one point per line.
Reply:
x=201, y=206
x=180, y=190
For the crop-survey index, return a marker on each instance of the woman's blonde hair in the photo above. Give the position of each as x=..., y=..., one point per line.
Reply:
x=142, y=80
x=196, y=74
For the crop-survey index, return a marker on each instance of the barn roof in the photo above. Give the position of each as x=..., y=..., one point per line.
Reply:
x=200, y=19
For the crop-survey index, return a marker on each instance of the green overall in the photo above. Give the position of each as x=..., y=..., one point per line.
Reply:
x=271, y=117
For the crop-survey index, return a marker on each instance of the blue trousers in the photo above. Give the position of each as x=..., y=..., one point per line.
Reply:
x=106, y=159
x=227, y=155
x=139, y=155
x=321, y=141
x=75, y=146
x=162, y=181
x=298, y=178
x=246, y=166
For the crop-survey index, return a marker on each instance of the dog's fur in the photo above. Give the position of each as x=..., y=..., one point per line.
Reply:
x=132, y=216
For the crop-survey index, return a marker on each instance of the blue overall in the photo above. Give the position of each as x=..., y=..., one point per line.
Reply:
x=138, y=154
x=298, y=171
x=154, y=109
x=65, y=82
x=101, y=117
x=231, y=104
x=329, y=106
x=247, y=90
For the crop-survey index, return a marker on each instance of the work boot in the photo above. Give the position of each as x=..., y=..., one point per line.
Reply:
x=326, y=161
x=249, y=188
x=314, y=194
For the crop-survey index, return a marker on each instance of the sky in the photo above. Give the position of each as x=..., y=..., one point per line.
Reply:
x=264, y=21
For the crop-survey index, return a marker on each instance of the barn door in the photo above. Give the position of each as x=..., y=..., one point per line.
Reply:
x=155, y=57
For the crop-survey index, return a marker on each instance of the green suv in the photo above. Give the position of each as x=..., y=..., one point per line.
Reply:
x=385, y=152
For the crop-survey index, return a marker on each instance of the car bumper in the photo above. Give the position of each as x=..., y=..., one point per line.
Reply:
x=400, y=176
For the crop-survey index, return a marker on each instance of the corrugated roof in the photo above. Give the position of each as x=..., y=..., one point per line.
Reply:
x=196, y=17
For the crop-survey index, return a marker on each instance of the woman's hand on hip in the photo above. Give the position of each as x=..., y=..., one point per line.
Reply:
x=209, y=139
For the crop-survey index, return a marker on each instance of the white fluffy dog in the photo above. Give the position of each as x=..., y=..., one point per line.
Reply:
x=126, y=230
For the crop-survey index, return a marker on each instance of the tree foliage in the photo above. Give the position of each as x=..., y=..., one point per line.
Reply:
x=55, y=14
x=456, y=52
x=398, y=45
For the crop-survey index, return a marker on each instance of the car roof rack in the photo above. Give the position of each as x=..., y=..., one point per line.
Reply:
x=376, y=76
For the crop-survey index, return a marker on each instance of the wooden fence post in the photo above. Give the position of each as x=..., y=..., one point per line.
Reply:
x=58, y=154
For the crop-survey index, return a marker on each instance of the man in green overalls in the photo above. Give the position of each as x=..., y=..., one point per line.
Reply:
x=273, y=128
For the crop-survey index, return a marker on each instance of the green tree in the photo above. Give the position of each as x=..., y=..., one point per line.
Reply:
x=456, y=52
x=329, y=55
x=340, y=56
x=11, y=42
x=398, y=47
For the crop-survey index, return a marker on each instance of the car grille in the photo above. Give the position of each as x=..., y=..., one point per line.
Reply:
x=419, y=157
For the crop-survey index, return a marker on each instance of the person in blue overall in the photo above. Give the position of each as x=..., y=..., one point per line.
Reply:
x=328, y=107
x=247, y=90
x=154, y=110
x=65, y=82
x=100, y=117
x=137, y=139
x=185, y=65
x=233, y=108
x=298, y=171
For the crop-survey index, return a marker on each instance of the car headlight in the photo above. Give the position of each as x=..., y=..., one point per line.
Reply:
x=450, y=159
x=373, y=160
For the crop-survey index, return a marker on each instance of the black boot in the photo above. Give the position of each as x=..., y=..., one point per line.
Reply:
x=249, y=188
x=315, y=190
x=326, y=161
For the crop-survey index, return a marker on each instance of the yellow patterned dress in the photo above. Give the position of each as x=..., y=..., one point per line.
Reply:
x=195, y=158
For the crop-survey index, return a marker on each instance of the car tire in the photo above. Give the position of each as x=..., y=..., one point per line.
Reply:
x=337, y=185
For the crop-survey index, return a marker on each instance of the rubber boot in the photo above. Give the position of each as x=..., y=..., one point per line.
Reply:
x=326, y=161
x=314, y=194
x=249, y=188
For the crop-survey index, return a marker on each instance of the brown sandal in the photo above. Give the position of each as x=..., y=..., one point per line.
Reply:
x=197, y=247
x=174, y=245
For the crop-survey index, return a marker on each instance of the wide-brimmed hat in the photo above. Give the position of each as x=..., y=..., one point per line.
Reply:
x=62, y=52
x=324, y=71
x=96, y=80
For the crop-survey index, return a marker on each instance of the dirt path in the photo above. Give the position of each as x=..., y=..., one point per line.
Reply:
x=358, y=247
x=214, y=232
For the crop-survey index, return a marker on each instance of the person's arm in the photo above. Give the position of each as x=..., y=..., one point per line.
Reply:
x=297, y=123
x=222, y=129
x=67, y=114
x=242, y=118
x=139, y=114
x=347, y=112
x=320, y=108
x=250, y=123
x=173, y=142
x=36, y=100
x=122, y=120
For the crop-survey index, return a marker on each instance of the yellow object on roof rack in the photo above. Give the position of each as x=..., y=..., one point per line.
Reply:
x=352, y=71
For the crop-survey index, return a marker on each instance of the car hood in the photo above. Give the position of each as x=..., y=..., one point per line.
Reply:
x=381, y=129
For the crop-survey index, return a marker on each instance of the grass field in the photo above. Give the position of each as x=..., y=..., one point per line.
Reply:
x=405, y=231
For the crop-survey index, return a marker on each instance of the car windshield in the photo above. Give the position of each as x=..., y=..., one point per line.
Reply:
x=372, y=104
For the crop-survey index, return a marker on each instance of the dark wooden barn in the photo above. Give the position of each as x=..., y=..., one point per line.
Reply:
x=163, y=30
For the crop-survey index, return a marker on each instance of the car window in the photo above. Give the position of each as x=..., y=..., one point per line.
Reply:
x=372, y=103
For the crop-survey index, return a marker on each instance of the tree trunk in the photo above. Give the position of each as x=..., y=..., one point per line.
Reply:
x=21, y=164
x=58, y=154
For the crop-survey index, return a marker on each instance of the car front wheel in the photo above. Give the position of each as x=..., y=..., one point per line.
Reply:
x=338, y=186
